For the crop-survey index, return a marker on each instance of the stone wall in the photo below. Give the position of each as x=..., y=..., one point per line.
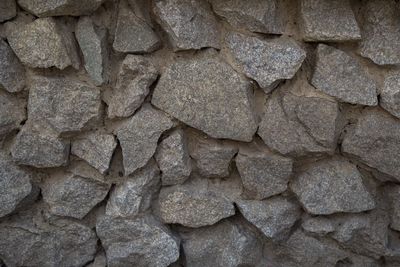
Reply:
x=200, y=133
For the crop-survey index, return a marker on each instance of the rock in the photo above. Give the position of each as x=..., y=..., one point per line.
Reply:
x=135, y=76
x=189, y=24
x=135, y=194
x=341, y=76
x=331, y=186
x=138, y=137
x=267, y=62
x=218, y=101
x=12, y=73
x=44, y=43
x=141, y=242
x=254, y=15
x=93, y=43
x=12, y=110
x=393, y=192
x=133, y=34
x=49, y=8
x=173, y=158
x=8, y=10
x=67, y=105
x=390, y=94
x=328, y=21
x=381, y=18
x=99, y=261
x=96, y=149
x=318, y=225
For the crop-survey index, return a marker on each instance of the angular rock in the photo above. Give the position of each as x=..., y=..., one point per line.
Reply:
x=318, y=225
x=135, y=76
x=93, y=43
x=189, y=24
x=267, y=62
x=332, y=186
x=135, y=194
x=394, y=200
x=12, y=110
x=173, y=158
x=67, y=105
x=96, y=149
x=133, y=34
x=341, y=76
x=218, y=100
x=390, y=94
x=253, y=15
x=12, y=73
x=141, y=242
x=328, y=21
x=8, y=10
x=99, y=261
x=138, y=137
x=44, y=43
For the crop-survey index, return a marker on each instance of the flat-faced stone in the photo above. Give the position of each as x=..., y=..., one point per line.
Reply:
x=394, y=200
x=44, y=43
x=12, y=73
x=189, y=24
x=319, y=225
x=390, y=94
x=340, y=75
x=266, y=61
x=135, y=76
x=8, y=10
x=209, y=95
x=12, y=110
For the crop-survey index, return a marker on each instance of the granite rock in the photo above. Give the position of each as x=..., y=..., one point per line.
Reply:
x=318, y=225
x=12, y=110
x=8, y=10
x=393, y=192
x=390, y=94
x=12, y=73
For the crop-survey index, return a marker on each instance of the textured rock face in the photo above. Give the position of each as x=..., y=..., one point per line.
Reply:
x=390, y=95
x=8, y=10
x=394, y=196
x=12, y=110
x=12, y=73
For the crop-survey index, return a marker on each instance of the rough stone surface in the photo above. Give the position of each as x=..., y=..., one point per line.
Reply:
x=390, y=95
x=8, y=10
x=12, y=73
x=12, y=110
x=318, y=225
x=394, y=198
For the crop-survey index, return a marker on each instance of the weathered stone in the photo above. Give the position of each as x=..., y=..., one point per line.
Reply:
x=189, y=24
x=394, y=200
x=218, y=100
x=138, y=137
x=141, y=242
x=8, y=10
x=67, y=105
x=133, y=34
x=340, y=75
x=44, y=43
x=135, y=76
x=96, y=149
x=135, y=194
x=12, y=110
x=267, y=62
x=327, y=20
x=318, y=225
x=390, y=95
x=93, y=43
x=253, y=15
x=173, y=158
x=99, y=261
x=12, y=73
x=331, y=186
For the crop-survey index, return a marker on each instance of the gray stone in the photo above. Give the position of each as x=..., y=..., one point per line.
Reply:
x=331, y=186
x=393, y=193
x=135, y=76
x=12, y=110
x=138, y=137
x=340, y=75
x=141, y=242
x=133, y=34
x=93, y=43
x=218, y=101
x=189, y=24
x=328, y=21
x=254, y=15
x=44, y=43
x=173, y=158
x=65, y=104
x=318, y=225
x=99, y=261
x=390, y=94
x=266, y=61
x=274, y=216
x=96, y=149
x=12, y=73
x=8, y=10
x=135, y=194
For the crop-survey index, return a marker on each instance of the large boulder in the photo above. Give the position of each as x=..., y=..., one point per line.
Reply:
x=12, y=73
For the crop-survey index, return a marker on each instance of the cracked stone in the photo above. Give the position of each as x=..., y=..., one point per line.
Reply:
x=8, y=10
x=12, y=110
x=390, y=94
x=12, y=73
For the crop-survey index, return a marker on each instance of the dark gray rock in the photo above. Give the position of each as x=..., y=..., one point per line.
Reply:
x=393, y=192
x=12, y=110
x=8, y=10
x=340, y=75
x=218, y=100
x=12, y=73
x=390, y=94
x=99, y=261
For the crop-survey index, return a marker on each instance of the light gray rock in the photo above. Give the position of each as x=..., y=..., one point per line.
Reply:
x=390, y=94
x=318, y=225
x=138, y=137
x=254, y=15
x=12, y=73
x=218, y=101
x=135, y=76
x=266, y=61
x=173, y=158
x=393, y=192
x=8, y=10
x=96, y=149
x=331, y=186
x=189, y=24
x=12, y=110
x=65, y=104
x=328, y=21
x=99, y=261
x=92, y=40
x=141, y=242
x=44, y=43
x=340, y=75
